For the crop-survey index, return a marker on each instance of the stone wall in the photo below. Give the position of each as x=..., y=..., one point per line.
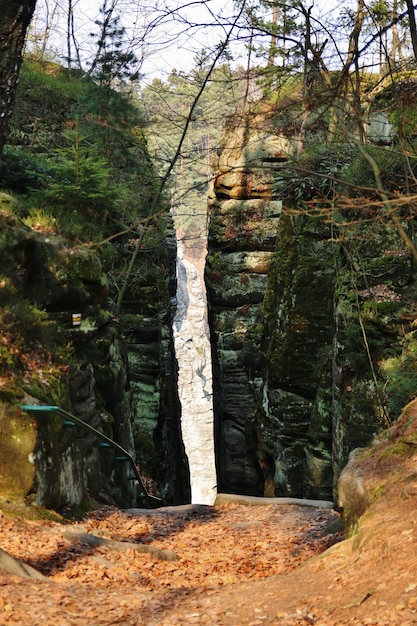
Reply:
x=300, y=325
x=244, y=216
x=117, y=372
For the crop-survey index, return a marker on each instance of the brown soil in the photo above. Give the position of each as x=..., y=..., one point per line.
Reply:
x=238, y=565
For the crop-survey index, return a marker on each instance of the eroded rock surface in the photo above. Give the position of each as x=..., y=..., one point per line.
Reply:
x=117, y=372
x=300, y=325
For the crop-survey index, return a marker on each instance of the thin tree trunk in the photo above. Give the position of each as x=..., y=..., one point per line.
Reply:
x=306, y=81
x=15, y=17
x=50, y=16
x=413, y=25
x=273, y=44
x=353, y=59
x=69, y=29
x=396, y=51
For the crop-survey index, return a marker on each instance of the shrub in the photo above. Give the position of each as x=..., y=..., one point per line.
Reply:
x=22, y=171
x=400, y=376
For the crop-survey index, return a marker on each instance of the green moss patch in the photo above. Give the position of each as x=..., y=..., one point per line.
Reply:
x=17, y=444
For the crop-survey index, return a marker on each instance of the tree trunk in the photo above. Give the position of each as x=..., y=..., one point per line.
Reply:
x=413, y=25
x=15, y=16
x=396, y=49
x=273, y=44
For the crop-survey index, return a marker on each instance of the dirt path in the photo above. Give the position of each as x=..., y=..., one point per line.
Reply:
x=237, y=566
x=218, y=547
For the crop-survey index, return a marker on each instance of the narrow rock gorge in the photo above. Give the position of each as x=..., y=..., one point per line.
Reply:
x=244, y=218
x=281, y=379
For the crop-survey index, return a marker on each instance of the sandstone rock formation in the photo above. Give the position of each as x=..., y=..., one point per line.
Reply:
x=295, y=388
x=244, y=216
x=118, y=374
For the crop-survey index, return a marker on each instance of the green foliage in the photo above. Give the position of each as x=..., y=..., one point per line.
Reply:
x=286, y=97
x=79, y=161
x=111, y=132
x=313, y=174
x=405, y=120
x=25, y=329
x=22, y=171
x=34, y=352
x=354, y=346
x=45, y=95
x=112, y=61
x=371, y=291
x=279, y=23
x=81, y=182
x=108, y=117
x=41, y=220
x=372, y=309
x=398, y=102
x=400, y=376
x=397, y=170
x=33, y=323
x=8, y=203
x=50, y=84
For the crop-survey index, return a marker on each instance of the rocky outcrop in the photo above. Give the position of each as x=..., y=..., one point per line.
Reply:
x=382, y=472
x=298, y=343
x=115, y=372
x=244, y=217
x=353, y=496
x=148, y=309
x=300, y=325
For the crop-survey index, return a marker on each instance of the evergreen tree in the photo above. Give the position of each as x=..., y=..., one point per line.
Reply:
x=104, y=173
x=112, y=63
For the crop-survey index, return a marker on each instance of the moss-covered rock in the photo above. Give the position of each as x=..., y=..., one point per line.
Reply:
x=62, y=345
x=17, y=445
x=314, y=351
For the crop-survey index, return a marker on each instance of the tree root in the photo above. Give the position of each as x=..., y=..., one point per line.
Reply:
x=13, y=566
x=119, y=546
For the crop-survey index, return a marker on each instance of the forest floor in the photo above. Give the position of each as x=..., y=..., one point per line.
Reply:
x=230, y=564
x=237, y=565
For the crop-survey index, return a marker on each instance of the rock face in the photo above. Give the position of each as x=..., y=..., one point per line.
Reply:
x=148, y=309
x=244, y=218
x=312, y=343
x=297, y=343
x=384, y=471
x=297, y=330
x=118, y=373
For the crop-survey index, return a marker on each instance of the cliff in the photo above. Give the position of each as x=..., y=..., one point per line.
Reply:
x=307, y=322
x=64, y=345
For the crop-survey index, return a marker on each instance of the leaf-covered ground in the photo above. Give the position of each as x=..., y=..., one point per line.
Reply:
x=237, y=565
x=217, y=547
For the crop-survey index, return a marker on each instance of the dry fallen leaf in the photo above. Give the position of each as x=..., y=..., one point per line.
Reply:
x=217, y=547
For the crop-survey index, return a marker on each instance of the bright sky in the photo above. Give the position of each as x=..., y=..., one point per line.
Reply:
x=198, y=25
x=166, y=34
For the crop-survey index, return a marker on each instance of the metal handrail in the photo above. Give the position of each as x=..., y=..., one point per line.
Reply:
x=39, y=408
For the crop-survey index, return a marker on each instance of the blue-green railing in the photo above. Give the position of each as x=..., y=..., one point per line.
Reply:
x=72, y=420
